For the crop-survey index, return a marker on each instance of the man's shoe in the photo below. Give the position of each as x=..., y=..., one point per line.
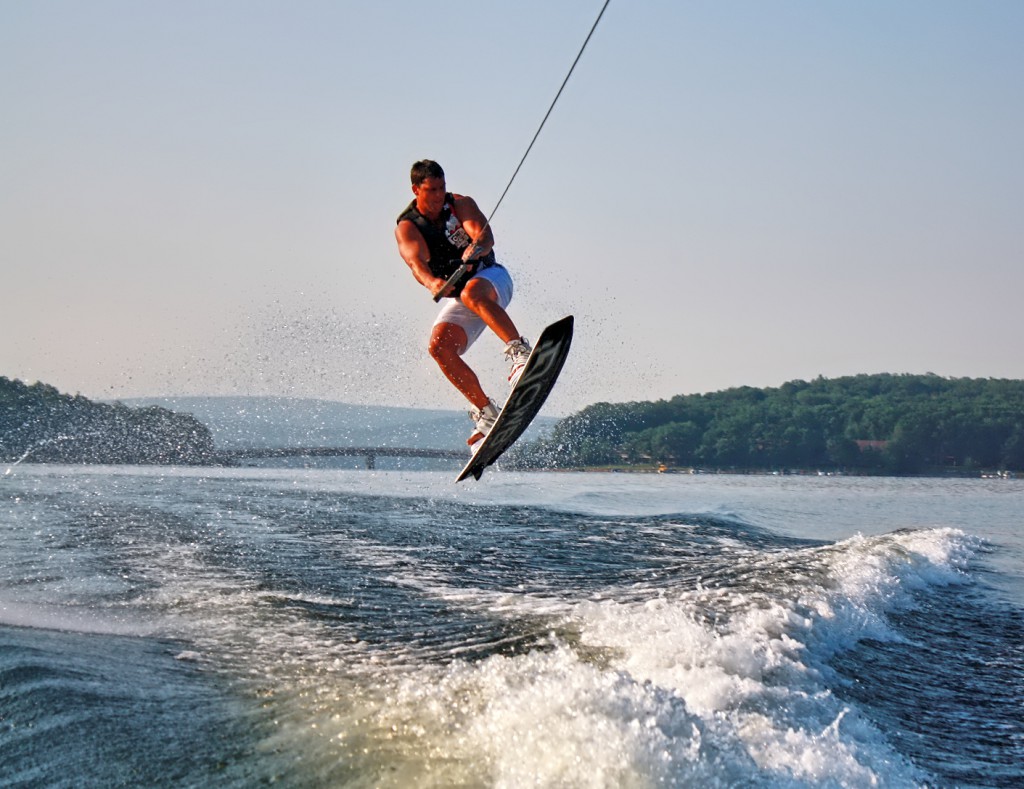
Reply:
x=483, y=421
x=517, y=353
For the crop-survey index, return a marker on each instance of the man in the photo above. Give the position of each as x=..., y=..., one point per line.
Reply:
x=437, y=233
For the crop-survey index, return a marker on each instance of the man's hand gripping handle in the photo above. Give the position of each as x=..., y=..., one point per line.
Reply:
x=454, y=280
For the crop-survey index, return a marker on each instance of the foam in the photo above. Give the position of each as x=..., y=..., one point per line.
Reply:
x=71, y=619
x=704, y=686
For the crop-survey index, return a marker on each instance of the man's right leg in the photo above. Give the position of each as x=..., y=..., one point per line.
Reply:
x=447, y=342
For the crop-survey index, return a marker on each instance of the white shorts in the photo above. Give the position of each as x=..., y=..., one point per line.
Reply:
x=454, y=311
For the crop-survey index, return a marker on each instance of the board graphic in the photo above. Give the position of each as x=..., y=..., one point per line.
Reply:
x=526, y=398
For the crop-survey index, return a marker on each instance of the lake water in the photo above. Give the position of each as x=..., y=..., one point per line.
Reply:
x=314, y=628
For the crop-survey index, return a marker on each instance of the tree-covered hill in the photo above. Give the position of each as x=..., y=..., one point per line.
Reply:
x=40, y=424
x=899, y=424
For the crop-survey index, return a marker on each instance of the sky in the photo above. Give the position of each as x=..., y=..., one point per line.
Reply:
x=199, y=197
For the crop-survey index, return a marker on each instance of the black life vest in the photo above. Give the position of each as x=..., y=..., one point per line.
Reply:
x=446, y=239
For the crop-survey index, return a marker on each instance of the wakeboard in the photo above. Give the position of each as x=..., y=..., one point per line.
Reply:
x=526, y=398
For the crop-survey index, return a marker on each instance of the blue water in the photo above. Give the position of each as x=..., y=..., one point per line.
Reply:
x=351, y=628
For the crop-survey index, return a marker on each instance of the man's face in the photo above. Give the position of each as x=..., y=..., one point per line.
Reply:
x=430, y=197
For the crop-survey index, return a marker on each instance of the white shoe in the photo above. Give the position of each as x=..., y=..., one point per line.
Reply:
x=483, y=421
x=517, y=353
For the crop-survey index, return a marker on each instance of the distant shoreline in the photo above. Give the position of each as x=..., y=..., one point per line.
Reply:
x=686, y=471
x=639, y=469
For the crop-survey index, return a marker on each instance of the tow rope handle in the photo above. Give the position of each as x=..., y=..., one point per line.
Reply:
x=454, y=280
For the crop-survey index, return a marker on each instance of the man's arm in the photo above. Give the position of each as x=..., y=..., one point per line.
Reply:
x=475, y=224
x=415, y=253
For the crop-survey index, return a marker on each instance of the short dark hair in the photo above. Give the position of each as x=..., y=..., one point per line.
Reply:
x=424, y=169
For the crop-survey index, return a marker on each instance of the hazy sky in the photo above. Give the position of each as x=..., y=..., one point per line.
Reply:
x=198, y=197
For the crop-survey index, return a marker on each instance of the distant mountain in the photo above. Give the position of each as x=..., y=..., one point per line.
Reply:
x=41, y=425
x=261, y=422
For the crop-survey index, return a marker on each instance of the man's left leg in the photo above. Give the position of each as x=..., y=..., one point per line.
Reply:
x=480, y=296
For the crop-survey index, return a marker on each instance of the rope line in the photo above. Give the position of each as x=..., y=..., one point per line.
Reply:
x=462, y=270
x=548, y=113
